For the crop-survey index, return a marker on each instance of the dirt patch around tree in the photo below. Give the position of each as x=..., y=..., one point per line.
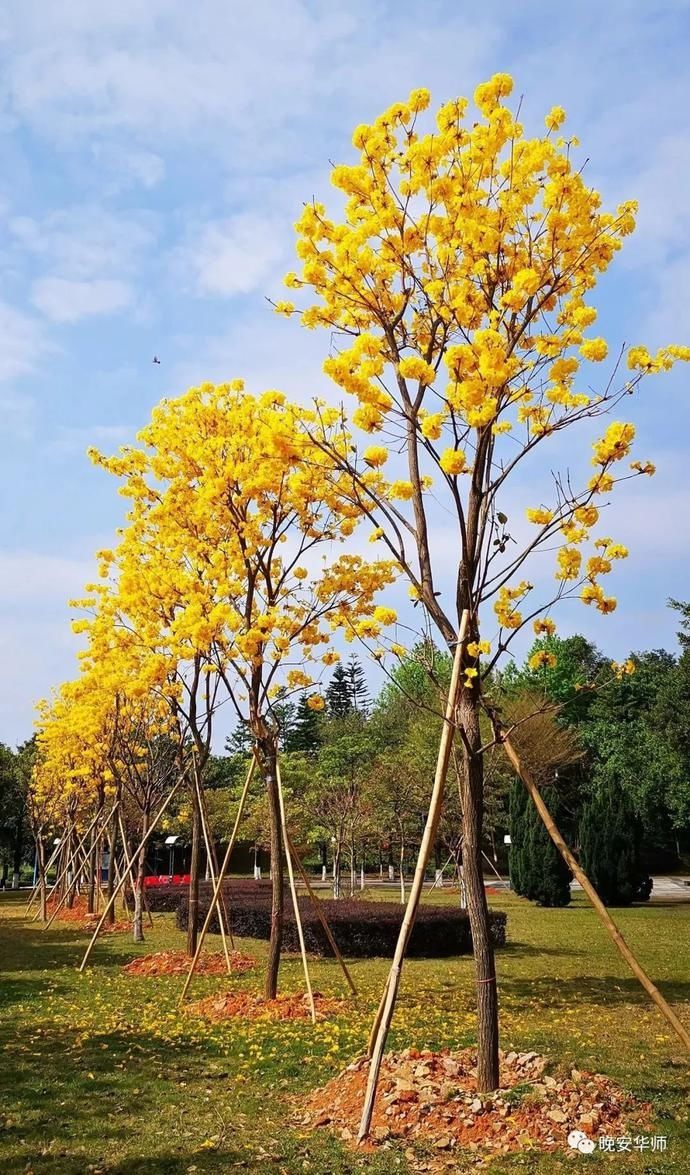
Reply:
x=79, y=916
x=431, y=1099
x=255, y=1007
x=178, y=962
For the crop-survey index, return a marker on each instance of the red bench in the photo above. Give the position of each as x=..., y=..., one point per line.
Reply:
x=166, y=879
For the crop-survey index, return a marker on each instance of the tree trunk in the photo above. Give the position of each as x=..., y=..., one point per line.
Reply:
x=112, y=844
x=41, y=850
x=71, y=879
x=402, y=870
x=275, y=944
x=471, y=799
x=17, y=862
x=194, y=870
x=91, y=896
x=139, y=884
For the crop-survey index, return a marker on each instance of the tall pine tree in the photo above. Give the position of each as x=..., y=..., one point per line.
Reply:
x=519, y=800
x=304, y=735
x=610, y=847
x=338, y=696
x=537, y=870
x=357, y=684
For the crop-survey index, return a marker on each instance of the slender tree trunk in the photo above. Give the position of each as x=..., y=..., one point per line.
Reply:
x=139, y=884
x=17, y=862
x=41, y=850
x=194, y=871
x=112, y=845
x=402, y=869
x=72, y=872
x=91, y=896
x=471, y=799
x=275, y=944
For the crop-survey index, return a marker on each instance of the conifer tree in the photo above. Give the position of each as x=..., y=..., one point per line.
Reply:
x=357, y=685
x=518, y=835
x=610, y=846
x=304, y=735
x=338, y=694
x=537, y=870
x=548, y=875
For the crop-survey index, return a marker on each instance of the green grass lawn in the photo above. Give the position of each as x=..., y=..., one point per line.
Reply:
x=102, y=1072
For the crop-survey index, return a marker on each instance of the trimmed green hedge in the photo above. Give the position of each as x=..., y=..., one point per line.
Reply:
x=361, y=929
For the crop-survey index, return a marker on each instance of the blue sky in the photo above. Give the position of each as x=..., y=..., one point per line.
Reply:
x=154, y=159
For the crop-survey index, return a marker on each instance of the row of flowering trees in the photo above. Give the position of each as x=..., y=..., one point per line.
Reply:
x=456, y=287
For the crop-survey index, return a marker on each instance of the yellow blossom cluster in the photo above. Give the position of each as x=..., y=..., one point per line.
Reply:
x=459, y=283
x=230, y=500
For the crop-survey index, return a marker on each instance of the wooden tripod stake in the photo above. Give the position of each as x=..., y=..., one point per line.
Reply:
x=599, y=907
x=219, y=882
x=384, y=1014
x=321, y=916
x=72, y=861
x=210, y=855
x=293, y=891
x=111, y=901
x=37, y=887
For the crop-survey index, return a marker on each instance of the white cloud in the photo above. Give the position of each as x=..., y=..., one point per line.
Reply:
x=73, y=439
x=29, y=576
x=168, y=69
x=17, y=413
x=233, y=256
x=128, y=166
x=83, y=242
x=68, y=301
x=22, y=343
x=37, y=646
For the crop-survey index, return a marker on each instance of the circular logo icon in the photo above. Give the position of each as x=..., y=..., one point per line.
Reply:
x=586, y=1145
x=575, y=1138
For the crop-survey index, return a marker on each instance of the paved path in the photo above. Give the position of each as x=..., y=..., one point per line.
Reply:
x=666, y=889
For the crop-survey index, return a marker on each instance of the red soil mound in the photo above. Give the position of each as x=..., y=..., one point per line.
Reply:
x=78, y=915
x=254, y=1007
x=432, y=1098
x=177, y=963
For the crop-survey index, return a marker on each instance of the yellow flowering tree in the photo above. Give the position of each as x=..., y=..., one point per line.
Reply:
x=458, y=282
x=231, y=504
x=71, y=782
x=153, y=660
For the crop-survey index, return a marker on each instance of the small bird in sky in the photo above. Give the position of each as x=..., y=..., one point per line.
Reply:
x=156, y=359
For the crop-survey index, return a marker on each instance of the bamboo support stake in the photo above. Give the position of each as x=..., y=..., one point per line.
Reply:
x=78, y=867
x=599, y=907
x=384, y=1014
x=212, y=864
x=321, y=916
x=219, y=882
x=293, y=891
x=63, y=849
x=111, y=901
x=130, y=867
x=435, y=882
x=36, y=888
x=72, y=859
